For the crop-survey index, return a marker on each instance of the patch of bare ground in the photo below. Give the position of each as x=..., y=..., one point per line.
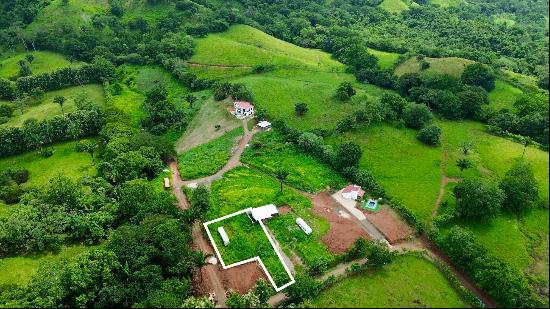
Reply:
x=390, y=224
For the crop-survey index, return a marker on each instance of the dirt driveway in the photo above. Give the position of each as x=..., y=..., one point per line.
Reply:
x=344, y=229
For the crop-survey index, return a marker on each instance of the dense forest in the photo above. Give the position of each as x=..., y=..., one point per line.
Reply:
x=144, y=257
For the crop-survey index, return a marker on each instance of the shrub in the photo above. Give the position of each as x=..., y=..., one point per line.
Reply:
x=301, y=108
x=347, y=155
x=478, y=199
x=345, y=91
x=520, y=187
x=6, y=110
x=478, y=74
x=429, y=135
x=304, y=288
x=417, y=116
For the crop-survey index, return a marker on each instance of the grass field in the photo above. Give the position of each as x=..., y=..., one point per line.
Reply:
x=48, y=109
x=446, y=3
x=76, y=13
x=19, y=270
x=245, y=46
x=217, y=73
x=43, y=62
x=409, y=281
x=504, y=95
x=65, y=160
x=451, y=65
x=243, y=188
x=394, y=6
x=207, y=159
x=408, y=170
x=305, y=172
x=248, y=240
x=202, y=128
x=385, y=59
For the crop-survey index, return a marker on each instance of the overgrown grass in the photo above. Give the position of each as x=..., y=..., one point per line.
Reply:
x=385, y=59
x=207, y=159
x=447, y=3
x=245, y=46
x=409, y=281
x=19, y=270
x=43, y=62
x=408, y=170
x=65, y=160
x=76, y=13
x=47, y=109
x=450, y=65
x=305, y=172
x=504, y=95
x=248, y=240
x=394, y=6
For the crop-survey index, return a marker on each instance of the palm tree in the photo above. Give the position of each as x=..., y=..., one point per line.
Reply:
x=60, y=100
x=466, y=147
x=463, y=164
x=199, y=259
x=281, y=175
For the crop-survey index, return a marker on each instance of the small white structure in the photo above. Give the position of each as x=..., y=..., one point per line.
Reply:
x=243, y=109
x=264, y=212
x=223, y=235
x=353, y=192
x=166, y=183
x=303, y=225
x=264, y=125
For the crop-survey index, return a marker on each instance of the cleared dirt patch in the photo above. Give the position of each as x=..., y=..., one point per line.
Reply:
x=344, y=229
x=240, y=278
x=389, y=224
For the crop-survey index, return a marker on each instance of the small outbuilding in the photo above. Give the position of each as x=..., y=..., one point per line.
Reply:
x=353, y=192
x=223, y=235
x=263, y=212
x=304, y=226
x=166, y=183
x=264, y=125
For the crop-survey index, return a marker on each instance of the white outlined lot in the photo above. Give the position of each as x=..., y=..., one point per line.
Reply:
x=256, y=258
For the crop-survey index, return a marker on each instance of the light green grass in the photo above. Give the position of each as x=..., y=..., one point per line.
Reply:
x=19, y=270
x=408, y=170
x=245, y=46
x=76, y=13
x=394, y=6
x=43, y=62
x=202, y=128
x=504, y=95
x=243, y=188
x=207, y=159
x=248, y=240
x=305, y=172
x=450, y=65
x=385, y=59
x=504, y=19
x=217, y=73
x=409, y=281
x=446, y=3
x=65, y=160
x=279, y=91
x=151, y=13
x=5, y=210
x=48, y=109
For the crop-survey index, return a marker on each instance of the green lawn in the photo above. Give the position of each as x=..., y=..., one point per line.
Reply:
x=450, y=65
x=207, y=159
x=248, y=240
x=409, y=281
x=243, y=188
x=394, y=6
x=19, y=270
x=504, y=95
x=385, y=59
x=245, y=46
x=305, y=172
x=408, y=170
x=65, y=160
x=47, y=109
x=43, y=62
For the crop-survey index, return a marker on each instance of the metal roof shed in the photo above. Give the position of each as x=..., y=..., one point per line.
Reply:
x=303, y=225
x=223, y=235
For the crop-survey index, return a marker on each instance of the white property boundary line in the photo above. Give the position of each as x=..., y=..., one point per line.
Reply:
x=256, y=258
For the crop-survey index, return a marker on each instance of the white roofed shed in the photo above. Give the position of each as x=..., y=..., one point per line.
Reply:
x=223, y=235
x=264, y=212
x=303, y=225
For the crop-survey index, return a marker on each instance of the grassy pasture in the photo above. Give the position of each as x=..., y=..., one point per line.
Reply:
x=407, y=169
x=207, y=159
x=19, y=270
x=504, y=95
x=446, y=3
x=202, y=128
x=245, y=46
x=450, y=65
x=217, y=73
x=305, y=172
x=65, y=160
x=76, y=13
x=47, y=109
x=242, y=188
x=394, y=6
x=44, y=61
x=409, y=281
x=385, y=59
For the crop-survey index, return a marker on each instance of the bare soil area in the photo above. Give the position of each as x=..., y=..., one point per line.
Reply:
x=344, y=229
x=389, y=224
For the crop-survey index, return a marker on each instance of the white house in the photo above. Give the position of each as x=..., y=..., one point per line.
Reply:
x=223, y=235
x=353, y=192
x=303, y=225
x=263, y=212
x=264, y=125
x=243, y=109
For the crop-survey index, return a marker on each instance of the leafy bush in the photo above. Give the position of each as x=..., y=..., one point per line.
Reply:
x=417, y=116
x=429, y=135
x=478, y=199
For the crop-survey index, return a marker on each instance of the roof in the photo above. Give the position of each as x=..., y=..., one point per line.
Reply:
x=264, y=212
x=304, y=226
x=264, y=124
x=244, y=104
x=354, y=188
x=166, y=182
